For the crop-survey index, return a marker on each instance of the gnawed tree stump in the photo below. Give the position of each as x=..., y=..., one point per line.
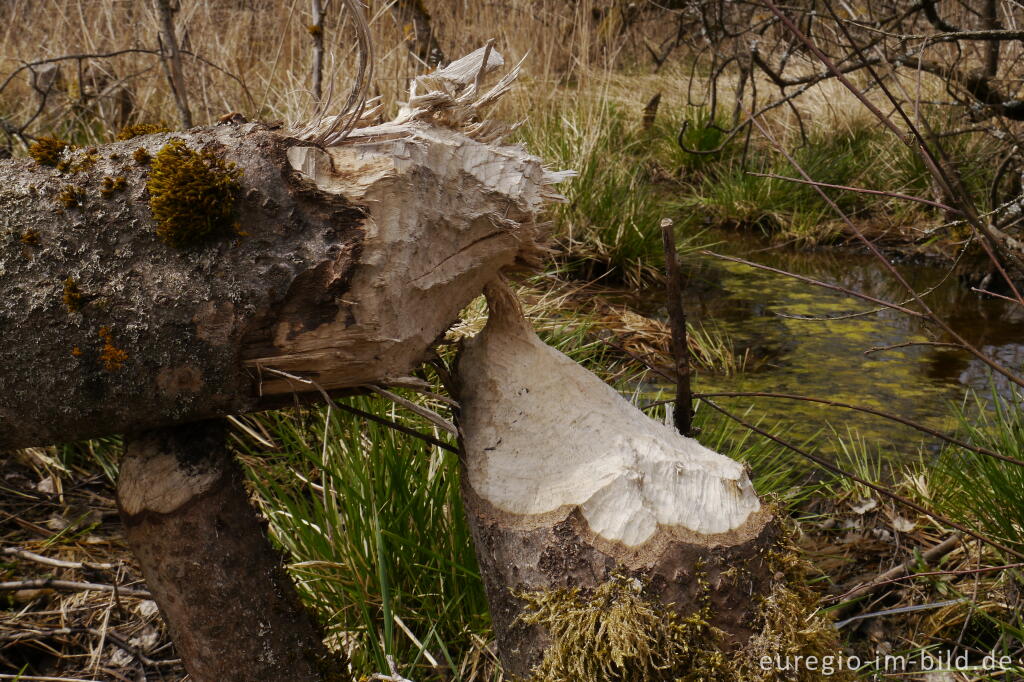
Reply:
x=612, y=547
x=205, y=554
x=180, y=277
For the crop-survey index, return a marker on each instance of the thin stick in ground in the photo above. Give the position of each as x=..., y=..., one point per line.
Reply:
x=683, y=413
x=902, y=570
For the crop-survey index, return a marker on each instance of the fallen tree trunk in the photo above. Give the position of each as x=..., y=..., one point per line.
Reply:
x=230, y=605
x=134, y=299
x=612, y=547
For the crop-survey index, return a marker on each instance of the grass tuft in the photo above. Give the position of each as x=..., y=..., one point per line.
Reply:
x=982, y=492
x=374, y=526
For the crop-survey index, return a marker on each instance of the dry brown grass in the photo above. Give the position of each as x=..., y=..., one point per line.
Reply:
x=254, y=56
x=68, y=515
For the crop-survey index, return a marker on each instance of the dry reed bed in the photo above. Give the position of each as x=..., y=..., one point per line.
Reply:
x=74, y=604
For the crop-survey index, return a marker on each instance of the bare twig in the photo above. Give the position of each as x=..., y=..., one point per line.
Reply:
x=397, y=427
x=908, y=344
x=372, y=417
x=944, y=176
x=36, y=678
x=38, y=558
x=859, y=190
x=995, y=295
x=415, y=640
x=847, y=316
x=898, y=572
x=429, y=415
x=819, y=283
x=928, y=574
x=393, y=677
x=927, y=311
x=71, y=586
x=867, y=410
x=901, y=609
x=478, y=81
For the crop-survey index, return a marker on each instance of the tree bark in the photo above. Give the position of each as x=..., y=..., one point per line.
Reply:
x=566, y=485
x=231, y=607
x=171, y=279
x=316, y=33
x=990, y=22
x=418, y=30
x=171, y=57
x=348, y=263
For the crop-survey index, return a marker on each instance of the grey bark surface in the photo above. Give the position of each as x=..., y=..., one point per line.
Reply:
x=231, y=607
x=182, y=316
x=349, y=262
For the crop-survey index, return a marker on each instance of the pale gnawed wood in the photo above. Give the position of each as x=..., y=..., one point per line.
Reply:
x=566, y=484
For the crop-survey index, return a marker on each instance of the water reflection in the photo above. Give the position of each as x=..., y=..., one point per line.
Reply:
x=826, y=357
x=978, y=376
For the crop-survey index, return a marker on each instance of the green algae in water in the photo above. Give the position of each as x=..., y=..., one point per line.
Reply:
x=760, y=311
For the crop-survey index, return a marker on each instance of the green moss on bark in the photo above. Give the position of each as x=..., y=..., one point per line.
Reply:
x=128, y=132
x=616, y=633
x=111, y=185
x=73, y=297
x=47, y=151
x=71, y=196
x=192, y=195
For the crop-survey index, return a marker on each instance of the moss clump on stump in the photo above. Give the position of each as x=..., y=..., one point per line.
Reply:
x=110, y=185
x=139, y=129
x=73, y=297
x=191, y=194
x=615, y=633
x=113, y=358
x=47, y=151
x=72, y=196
